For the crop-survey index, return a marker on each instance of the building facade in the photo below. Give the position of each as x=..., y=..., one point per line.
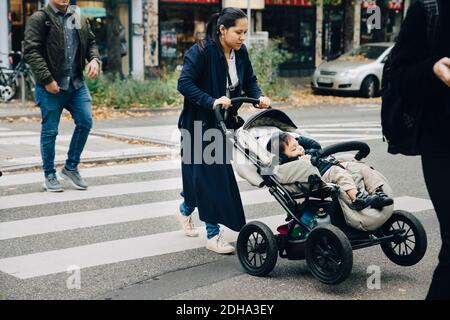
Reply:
x=156, y=33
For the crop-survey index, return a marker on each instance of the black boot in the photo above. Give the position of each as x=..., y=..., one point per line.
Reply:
x=382, y=200
x=363, y=201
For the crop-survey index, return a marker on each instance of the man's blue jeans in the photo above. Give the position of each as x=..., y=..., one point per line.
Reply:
x=79, y=104
x=211, y=229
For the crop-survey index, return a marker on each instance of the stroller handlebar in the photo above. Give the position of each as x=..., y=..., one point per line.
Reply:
x=362, y=148
x=222, y=116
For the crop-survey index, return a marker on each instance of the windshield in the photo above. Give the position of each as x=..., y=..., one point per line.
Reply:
x=364, y=53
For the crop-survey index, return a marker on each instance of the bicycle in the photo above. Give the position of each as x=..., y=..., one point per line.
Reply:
x=9, y=81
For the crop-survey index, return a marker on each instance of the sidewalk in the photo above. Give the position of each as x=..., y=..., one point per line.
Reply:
x=15, y=109
x=21, y=149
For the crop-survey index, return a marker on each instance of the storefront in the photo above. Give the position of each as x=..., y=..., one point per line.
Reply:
x=95, y=11
x=294, y=23
x=19, y=11
x=392, y=13
x=181, y=24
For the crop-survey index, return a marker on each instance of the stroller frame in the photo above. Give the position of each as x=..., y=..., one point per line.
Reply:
x=345, y=239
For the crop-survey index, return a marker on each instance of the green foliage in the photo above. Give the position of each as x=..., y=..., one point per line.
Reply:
x=265, y=61
x=131, y=93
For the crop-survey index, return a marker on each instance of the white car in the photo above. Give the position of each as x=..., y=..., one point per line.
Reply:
x=359, y=70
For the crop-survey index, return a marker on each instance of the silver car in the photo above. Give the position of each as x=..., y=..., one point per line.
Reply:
x=359, y=70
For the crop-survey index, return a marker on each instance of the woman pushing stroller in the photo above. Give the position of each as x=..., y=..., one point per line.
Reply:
x=302, y=149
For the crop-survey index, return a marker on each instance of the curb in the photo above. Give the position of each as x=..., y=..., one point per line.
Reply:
x=122, y=137
x=87, y=161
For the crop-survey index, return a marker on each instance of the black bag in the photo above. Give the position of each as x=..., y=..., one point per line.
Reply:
x=400, y=117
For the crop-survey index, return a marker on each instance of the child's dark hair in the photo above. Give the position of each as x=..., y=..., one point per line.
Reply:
x=278, y=143
x=227, y=17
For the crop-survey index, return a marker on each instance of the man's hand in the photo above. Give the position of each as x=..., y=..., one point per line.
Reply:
x=93, y=69
x=442, y=70
x=52, y=87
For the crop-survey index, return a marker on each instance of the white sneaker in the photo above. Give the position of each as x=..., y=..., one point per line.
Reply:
x=188, y=225
x=219, y=245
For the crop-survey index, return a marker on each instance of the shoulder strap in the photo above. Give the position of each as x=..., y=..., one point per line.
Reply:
x=47, y=21
x=432, y=12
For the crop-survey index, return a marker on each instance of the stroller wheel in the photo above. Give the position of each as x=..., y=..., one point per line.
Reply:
x=329, y=254
x=257, y=249
x=410, y=245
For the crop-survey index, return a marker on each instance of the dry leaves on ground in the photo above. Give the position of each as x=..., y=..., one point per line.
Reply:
x=305, y=97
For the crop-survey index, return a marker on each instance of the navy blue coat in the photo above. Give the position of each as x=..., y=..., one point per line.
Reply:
x=212, y=188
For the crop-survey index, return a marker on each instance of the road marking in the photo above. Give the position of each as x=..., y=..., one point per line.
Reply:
x=86, y=219
x=56, y=261
x=27, y=178
x=343, y=125
x=18, y=133
x=413, y=204
x=39, y=198
x=343, y=129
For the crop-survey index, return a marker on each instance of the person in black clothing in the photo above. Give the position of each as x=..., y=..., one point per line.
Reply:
x=333, y=171
x=423, y=74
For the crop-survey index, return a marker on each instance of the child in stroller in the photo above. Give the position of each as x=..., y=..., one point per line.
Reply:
x=333, y=228
x=332, y=171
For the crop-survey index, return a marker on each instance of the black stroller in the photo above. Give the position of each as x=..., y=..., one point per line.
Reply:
x=315, y=228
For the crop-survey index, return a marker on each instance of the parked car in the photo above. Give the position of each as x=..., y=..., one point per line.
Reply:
x=359, y=70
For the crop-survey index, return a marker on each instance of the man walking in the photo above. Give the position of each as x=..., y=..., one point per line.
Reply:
x=57, y=44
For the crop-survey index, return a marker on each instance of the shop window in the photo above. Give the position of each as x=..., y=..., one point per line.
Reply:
x=298, y=40
x=180, y=27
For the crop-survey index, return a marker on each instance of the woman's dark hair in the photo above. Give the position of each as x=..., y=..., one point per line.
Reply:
x=278, y=143
x=227, y=17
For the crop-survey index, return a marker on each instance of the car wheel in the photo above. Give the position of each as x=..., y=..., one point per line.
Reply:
x=369, y=87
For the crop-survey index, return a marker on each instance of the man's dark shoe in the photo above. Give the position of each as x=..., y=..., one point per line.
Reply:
x=74, y=177
x=363, y=201
x=52, y=184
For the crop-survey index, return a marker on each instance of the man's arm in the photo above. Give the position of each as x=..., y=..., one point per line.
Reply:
x=35, y=31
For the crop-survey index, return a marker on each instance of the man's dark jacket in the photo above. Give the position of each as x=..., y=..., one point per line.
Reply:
x=44, y=46
x=412, y=68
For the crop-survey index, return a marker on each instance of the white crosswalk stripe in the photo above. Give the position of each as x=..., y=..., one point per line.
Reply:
x=50, y=261
x=22, y=228
x=341, y=132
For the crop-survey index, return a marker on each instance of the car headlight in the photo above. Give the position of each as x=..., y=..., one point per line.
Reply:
x=348, y=73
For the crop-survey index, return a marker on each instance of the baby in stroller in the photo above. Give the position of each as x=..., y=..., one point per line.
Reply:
x=303, y=148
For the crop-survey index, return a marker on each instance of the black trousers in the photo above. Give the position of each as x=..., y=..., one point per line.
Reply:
x=437, y=177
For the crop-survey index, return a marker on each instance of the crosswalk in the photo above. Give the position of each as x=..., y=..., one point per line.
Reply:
x=336, y=132
x=33, y=223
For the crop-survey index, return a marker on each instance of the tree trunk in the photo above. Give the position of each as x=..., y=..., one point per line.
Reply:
x=114, y=64
x=349, y=27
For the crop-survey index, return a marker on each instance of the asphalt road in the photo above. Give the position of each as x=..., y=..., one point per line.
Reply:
x=177, y=273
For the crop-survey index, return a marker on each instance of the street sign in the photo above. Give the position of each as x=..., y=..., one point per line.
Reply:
x=243, y=4
x=94, y=12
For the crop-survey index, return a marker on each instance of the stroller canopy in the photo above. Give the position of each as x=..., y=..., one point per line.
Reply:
x=270, y=118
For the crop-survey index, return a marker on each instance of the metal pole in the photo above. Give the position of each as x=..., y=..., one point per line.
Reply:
x=22, y=88
x=249, y=19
